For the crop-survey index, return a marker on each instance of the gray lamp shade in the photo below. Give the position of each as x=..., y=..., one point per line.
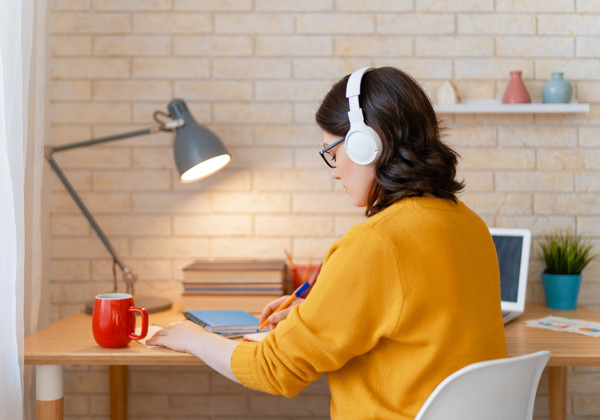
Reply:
x=198, y=151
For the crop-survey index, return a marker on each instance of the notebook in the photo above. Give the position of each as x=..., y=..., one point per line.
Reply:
x=512, y=248
x=227, y=322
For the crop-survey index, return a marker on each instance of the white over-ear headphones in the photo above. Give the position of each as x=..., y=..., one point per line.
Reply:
x=362, y=143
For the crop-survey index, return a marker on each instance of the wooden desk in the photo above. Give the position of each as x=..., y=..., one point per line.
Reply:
x=566, y=349
x=70, y=342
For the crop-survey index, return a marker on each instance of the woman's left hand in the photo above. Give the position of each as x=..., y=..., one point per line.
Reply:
x=179, y=336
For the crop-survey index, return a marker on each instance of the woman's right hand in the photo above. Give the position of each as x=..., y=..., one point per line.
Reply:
x=276, y=318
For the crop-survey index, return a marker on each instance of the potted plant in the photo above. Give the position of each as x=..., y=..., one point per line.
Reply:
x=565, y=255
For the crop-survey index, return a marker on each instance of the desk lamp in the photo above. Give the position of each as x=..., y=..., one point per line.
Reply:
x=198, y=154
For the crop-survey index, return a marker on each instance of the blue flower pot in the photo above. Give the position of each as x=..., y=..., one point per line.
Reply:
x=561, y=290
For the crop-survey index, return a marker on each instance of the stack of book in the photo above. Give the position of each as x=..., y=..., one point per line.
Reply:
x=263, y=279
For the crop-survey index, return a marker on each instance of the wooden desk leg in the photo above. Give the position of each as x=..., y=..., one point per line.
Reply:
x=49, y=392
x=557, y=389
x=118, y=392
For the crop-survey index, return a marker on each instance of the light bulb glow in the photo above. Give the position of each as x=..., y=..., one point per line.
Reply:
x=204, y=169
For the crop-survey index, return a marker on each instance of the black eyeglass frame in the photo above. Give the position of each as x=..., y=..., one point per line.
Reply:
x=327, y=149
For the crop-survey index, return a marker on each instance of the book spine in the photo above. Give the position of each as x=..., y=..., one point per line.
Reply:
x=253, y=286
x=263, y=265
x=218, y=276
x=221, y=293
x=227, y=290
x=197, y=321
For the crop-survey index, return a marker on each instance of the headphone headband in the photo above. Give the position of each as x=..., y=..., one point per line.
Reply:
x=352, y=93
x=353, y=86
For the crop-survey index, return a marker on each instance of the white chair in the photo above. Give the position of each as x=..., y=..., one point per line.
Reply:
x=502, y=389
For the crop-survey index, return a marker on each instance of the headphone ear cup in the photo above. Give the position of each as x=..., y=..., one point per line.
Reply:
x=362, y=144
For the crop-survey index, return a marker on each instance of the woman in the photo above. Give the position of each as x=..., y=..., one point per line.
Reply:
x=403, y=299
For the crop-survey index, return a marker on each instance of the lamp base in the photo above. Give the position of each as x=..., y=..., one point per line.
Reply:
x=152, y=304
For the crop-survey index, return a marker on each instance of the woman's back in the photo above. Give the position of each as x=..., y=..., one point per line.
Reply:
x=449, y=309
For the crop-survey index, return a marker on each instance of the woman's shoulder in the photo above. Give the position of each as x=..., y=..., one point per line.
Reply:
x=419, y=214
x=411, y=208
x=409, y=215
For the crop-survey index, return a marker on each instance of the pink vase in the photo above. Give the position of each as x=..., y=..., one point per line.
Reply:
x=516, y=92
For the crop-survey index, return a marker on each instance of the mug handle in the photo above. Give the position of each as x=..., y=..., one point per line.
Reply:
x=144, y=315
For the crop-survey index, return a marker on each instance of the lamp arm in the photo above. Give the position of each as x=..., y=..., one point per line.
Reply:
x=53, y=149
x=129, y=276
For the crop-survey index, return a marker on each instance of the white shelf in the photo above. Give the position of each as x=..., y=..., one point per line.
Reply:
x=497, y=107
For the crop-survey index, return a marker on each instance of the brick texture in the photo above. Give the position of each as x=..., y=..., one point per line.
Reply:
x=254, y=72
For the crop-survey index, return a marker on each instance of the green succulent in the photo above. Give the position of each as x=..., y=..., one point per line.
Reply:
x=565, y=253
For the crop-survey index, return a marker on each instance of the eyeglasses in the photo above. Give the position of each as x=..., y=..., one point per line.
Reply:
x=328, y=157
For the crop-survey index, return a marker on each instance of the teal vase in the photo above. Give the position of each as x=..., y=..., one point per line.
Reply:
x=557, y=90
x=561, y=290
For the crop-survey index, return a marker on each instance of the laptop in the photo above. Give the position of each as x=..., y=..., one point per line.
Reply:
x=512, y=247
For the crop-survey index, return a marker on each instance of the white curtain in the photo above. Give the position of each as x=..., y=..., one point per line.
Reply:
x=37, y=304
x=15, y=49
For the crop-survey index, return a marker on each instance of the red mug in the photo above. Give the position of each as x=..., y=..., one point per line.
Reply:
x=113, y=320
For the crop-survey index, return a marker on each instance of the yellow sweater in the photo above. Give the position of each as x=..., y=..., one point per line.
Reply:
x=402, y=301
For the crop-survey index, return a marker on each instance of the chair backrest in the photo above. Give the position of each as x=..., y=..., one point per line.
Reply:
x=493, y=390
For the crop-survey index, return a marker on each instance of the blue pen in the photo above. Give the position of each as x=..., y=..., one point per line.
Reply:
x=297, y=293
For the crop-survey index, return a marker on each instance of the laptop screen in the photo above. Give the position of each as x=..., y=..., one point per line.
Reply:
x=512, y=248
x=509, y=250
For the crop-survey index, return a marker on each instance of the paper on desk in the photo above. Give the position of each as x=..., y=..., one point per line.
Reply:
x=152, y=329
x=259, y=336
x=556, y=323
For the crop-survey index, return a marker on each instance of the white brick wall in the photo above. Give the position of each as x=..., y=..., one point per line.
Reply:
x=254, y=71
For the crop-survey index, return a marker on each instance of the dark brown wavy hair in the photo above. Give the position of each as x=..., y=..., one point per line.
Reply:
x=414, y=160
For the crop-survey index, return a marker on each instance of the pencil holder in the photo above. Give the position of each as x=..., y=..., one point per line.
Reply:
x=301, y=273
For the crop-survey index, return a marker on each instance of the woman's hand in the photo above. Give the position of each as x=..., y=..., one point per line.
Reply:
x=276, y=318
x=179, y=336
x=186, y=336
